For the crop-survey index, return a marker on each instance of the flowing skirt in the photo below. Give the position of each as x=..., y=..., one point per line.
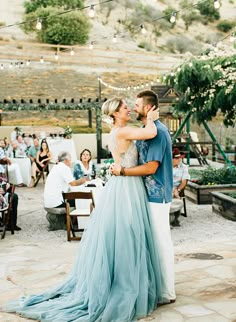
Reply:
x=115, y=276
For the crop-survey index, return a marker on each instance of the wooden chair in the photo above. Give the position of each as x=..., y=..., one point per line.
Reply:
x=71, y=224
x=41, y=174
x=6, y=215
x=182, y=195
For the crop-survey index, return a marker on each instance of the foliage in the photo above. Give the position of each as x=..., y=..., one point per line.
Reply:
x=33, y=5
x=181, y=44
x=231, y=194
x=208, y=84
x=212, y=176
x=208, y=10
x=67, y=29
x=229, y=144
x=190, y=15
x=68, y=131
x=48, y=107
x=105, y=169
x=225, y=25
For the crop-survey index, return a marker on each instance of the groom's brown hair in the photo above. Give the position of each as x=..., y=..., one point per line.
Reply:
x=149, y=97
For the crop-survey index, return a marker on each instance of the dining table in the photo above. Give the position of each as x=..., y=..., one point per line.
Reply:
x=25, y=169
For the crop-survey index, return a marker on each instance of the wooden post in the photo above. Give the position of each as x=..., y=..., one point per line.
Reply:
x=99, y=124
x=90, y=122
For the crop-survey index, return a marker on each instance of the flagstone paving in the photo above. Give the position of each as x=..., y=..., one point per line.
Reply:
x=205, y=271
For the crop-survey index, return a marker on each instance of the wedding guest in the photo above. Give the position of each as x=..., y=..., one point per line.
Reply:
x=43, y=156
x=21, y=146
x=7, y=148
x=180, y=173
x=85, y=166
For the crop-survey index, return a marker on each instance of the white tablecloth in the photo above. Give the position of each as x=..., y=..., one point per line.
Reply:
x=58, y=145
x=85, y=204
x=25, y=169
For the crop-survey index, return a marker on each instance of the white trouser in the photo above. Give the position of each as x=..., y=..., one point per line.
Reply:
x=164, y=247
x=14, y=174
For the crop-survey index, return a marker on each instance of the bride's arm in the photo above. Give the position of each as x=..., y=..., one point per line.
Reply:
x=148, y=132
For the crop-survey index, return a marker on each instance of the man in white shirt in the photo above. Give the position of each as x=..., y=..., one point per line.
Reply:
x=59, y=180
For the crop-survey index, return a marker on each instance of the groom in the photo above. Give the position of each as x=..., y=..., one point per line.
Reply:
x=155, y=159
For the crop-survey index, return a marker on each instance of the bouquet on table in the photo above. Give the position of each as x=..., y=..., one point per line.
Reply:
x=105, y=169
x=68, y=132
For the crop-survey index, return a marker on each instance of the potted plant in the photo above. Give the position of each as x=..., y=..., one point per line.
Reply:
x=204, y=182
x=68, y=132
x=224, y=204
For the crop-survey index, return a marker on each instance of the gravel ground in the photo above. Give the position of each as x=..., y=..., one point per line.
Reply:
x=200, y=226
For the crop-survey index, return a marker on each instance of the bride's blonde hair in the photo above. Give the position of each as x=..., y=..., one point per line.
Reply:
x=111, y=106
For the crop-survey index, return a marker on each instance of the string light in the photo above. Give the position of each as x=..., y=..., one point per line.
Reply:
x=39, y=24
x=28, y=62
x=232, y=37
x=72, y=52
x=114, y=40
x=143, y=30
x=91, y=11
x=56, y=56
x=91, y=45
x=216, y=4
x=41, y=60
x=173, y=17
x=2, y=67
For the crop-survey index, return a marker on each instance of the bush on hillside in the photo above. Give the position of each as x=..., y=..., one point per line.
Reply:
x=70, y=29
x=225, y=25
x=33, y=5
x=208, y=10
x=181, y=44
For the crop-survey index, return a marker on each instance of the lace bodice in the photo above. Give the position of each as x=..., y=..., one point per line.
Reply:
x=127, y=159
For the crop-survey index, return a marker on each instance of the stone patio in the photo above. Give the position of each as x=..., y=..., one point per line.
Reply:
x=34, y=259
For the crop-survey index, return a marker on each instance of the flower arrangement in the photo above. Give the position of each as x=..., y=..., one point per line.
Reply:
x=68, y=131
x=105, y=169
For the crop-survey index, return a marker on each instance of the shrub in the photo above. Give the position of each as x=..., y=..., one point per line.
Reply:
x=211, y=176
x=225, y=25
x=33, y=5
x=181, y=44
x=70, y=29
x=208, y=10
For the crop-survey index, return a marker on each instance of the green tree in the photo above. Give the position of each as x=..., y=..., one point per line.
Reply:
x=190, y=15
x=208, y=10
x=67, y=29
x=208, y=86
x=225, y=25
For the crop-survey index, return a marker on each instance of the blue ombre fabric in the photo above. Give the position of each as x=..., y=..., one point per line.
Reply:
x=114, y=277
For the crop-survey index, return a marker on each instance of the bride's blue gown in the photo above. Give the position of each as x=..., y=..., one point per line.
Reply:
x=114, y=277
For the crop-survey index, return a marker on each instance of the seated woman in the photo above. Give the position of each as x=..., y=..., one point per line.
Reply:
x=42, y=157
x=85, y=168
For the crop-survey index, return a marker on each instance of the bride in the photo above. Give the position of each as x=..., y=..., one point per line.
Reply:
x=115, y=277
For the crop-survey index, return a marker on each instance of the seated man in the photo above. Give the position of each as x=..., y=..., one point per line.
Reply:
x=180, y=179
x=4, y=186
x=180, y=173
x=59, y=180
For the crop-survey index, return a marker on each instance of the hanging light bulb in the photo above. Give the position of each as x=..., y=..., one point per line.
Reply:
x=56, y=56
x=39, y=24
x=28, y=62
x=173, y=17
x=11, y=66
x=41, y=60
x=72, y=52
x=2, y=67
x=216, y=4
x=114, y=40
x=91, y=45
x=143, y=30
x=91, y=11
x=232, y=37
